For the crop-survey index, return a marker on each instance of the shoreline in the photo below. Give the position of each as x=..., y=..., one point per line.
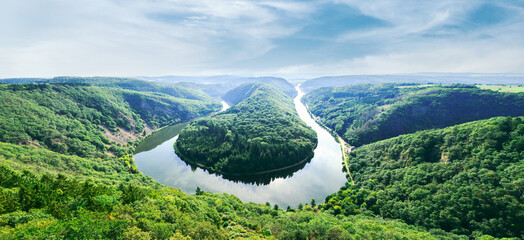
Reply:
x=191, y=163
x=339, y=139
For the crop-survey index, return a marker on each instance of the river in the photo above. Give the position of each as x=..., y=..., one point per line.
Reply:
x=320, y=177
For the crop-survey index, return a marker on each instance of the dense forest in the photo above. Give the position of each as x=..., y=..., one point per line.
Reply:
x=419, y=78
x=465, y=179
x=261, y=132
x=217, y=86
x=48, y=192
x=84, y=120
x=363, y=114
x=175, y=90
x=60, y=180
x=60, y=207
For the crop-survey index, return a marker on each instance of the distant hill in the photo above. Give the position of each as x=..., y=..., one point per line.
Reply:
x=175, y=90
x=423, y=78
x=217, y=86
x=260, y=132
x=466, y=179
x=363, y=114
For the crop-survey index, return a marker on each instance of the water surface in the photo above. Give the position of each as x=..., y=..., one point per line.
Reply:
x=320, y=177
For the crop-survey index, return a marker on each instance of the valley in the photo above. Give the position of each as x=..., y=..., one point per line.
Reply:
x=121, y=158
x=321, y=176
x=261, y=132
x=262, y=119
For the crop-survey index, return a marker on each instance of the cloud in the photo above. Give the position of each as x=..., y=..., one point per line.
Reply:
x=467, y=57
x=142, y=37
x=102, y=37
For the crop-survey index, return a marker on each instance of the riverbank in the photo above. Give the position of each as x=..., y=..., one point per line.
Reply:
x=345, y=147
x=314, y=179
x=276, y=170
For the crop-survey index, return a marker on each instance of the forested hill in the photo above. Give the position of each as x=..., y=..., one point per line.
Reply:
x=236, y=95
x=261, y=132
x=421, y=78
x=62, y=207
x=79, y=192
x=217, y=86
x=88, y=120
x=364, y=114
x=175, y=90
x=466, y=179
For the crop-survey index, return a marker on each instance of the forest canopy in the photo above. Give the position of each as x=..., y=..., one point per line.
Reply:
x=80, y=119
x=466, y=179
x=363, y=114
x=261, y=132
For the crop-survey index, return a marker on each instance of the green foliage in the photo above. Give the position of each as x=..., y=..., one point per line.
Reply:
x=175, y=90
x=79, y=119
x=464, y=179
x=218, y=86
x=363, y=114
x=45, y=207
x=261, y=132
x=43, y=161
x=198, y=191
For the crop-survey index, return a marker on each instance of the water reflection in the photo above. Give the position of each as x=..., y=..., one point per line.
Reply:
x=314, y=180
x=260, y=179
x=158, y=137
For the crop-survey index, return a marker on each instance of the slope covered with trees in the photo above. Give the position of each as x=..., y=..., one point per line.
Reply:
x=466, y=179
x=175, y=90
x=363, y=114
x=217, y=86
x=261, y=132
x=47, y=194
x=61, y=207
x=419, y=78
x=86, y=120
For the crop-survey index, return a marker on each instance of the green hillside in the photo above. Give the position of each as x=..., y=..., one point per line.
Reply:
x=175, y=90
x=363, y=114
x=261, y=132
x=87, y=120
x=217, y=86
x=50, y=189
x=60, y=207
x=43, y=161
x=466, y=179
x=59, y=180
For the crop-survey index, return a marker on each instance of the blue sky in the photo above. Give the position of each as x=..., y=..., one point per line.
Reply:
x=294, y=39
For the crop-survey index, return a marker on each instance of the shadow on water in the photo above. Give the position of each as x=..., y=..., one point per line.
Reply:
x=160, y=136
x=315, y=179
x=257, y=179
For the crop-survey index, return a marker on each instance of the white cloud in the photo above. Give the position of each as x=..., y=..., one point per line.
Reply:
x=142, y=37
x=467, y=57
x=102, y=37
x=408, y=17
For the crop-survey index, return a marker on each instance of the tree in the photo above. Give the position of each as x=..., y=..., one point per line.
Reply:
x=198, y=191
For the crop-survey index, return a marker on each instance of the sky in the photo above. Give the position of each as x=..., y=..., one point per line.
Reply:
x=292, y=39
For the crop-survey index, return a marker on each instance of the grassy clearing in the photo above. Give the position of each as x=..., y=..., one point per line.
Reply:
x=503, y=88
